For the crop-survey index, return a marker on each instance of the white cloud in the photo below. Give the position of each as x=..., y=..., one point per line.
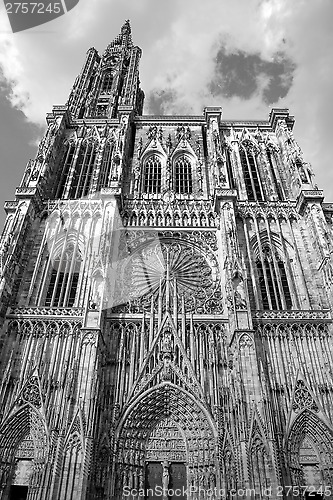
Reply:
x=42, y=66
x=10, y=61
x=184, y=59
x=310, y=96
x=80, y=18
x=183, y=62
x=38, y=63
x=180, y=40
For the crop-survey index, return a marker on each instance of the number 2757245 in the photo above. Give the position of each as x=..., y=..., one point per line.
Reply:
x=33, y=8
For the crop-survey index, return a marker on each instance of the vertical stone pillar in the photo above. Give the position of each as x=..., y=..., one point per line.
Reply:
x=217, y=173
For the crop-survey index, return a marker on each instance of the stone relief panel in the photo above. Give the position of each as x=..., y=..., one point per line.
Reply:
x=166, y=442
x=166, y=423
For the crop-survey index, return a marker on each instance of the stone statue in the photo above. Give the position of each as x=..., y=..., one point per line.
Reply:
x=165, y=478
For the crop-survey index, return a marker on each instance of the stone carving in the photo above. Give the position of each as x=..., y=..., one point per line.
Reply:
x=303, y=398
x=43, y=327
x=152, y=132
x=184, y=134
x=235, y=288
x=31, y=393
x=309, y=428
x=275, y=209
x=166, y=443
x=289, y=315
x=46, y=311
x=169, y=212
x=165, y=478
x=26, y=449
x=245, y=341
x=178, y=429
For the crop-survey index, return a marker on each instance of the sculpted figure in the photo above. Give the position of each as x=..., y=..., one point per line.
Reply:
x=165, y=479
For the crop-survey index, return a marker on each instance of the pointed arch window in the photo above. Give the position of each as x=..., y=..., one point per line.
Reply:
x=229, y=169
x=273, y=281
x=152, y=177
x=107, y=83
x=63, y=279
x=69, y=484
x=83, y=172
x=251, y=174
x=270, y=156
x=68, y=162
x=260, y=464
x=183, y=176
x=302, y=171
x=105, y=175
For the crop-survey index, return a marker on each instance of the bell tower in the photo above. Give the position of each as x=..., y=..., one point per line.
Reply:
x=109, y=82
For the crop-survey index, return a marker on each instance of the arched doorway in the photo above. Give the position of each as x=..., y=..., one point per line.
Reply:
x=167, y=439
x=166, y=460
x=310, y=455
x=23, y=470
x=23, y=452
x=309, y=460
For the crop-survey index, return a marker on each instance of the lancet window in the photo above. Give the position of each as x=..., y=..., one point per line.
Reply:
x=229, y=169
x=71, y=469
x=183, y=175
x=107, y=83
x=273, y=281
x=251, y=174
x=63, y=278
x=152, y=175
x=68, y=161
x=105, y=175
x=83, y=171
x=260, y=465
x=278, y=189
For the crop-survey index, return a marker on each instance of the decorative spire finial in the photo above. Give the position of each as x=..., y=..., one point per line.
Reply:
x=126, y=27
x=123, y=40
x=126, y=33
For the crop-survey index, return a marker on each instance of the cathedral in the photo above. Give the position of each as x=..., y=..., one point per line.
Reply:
x=166, y=296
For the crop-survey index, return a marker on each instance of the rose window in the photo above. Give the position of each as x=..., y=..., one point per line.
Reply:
x=169, y=268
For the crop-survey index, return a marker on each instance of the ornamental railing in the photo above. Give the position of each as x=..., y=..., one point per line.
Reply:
x=57, y=312
x=303, y=315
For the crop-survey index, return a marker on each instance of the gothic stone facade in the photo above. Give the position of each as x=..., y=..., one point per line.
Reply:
x=166, y=303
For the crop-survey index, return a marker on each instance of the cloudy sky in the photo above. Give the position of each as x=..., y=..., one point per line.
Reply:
x=244, y=55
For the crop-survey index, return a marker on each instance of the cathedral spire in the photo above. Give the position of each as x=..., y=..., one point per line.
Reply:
x=123, y=41
x=126, y=32
x=109, y=82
